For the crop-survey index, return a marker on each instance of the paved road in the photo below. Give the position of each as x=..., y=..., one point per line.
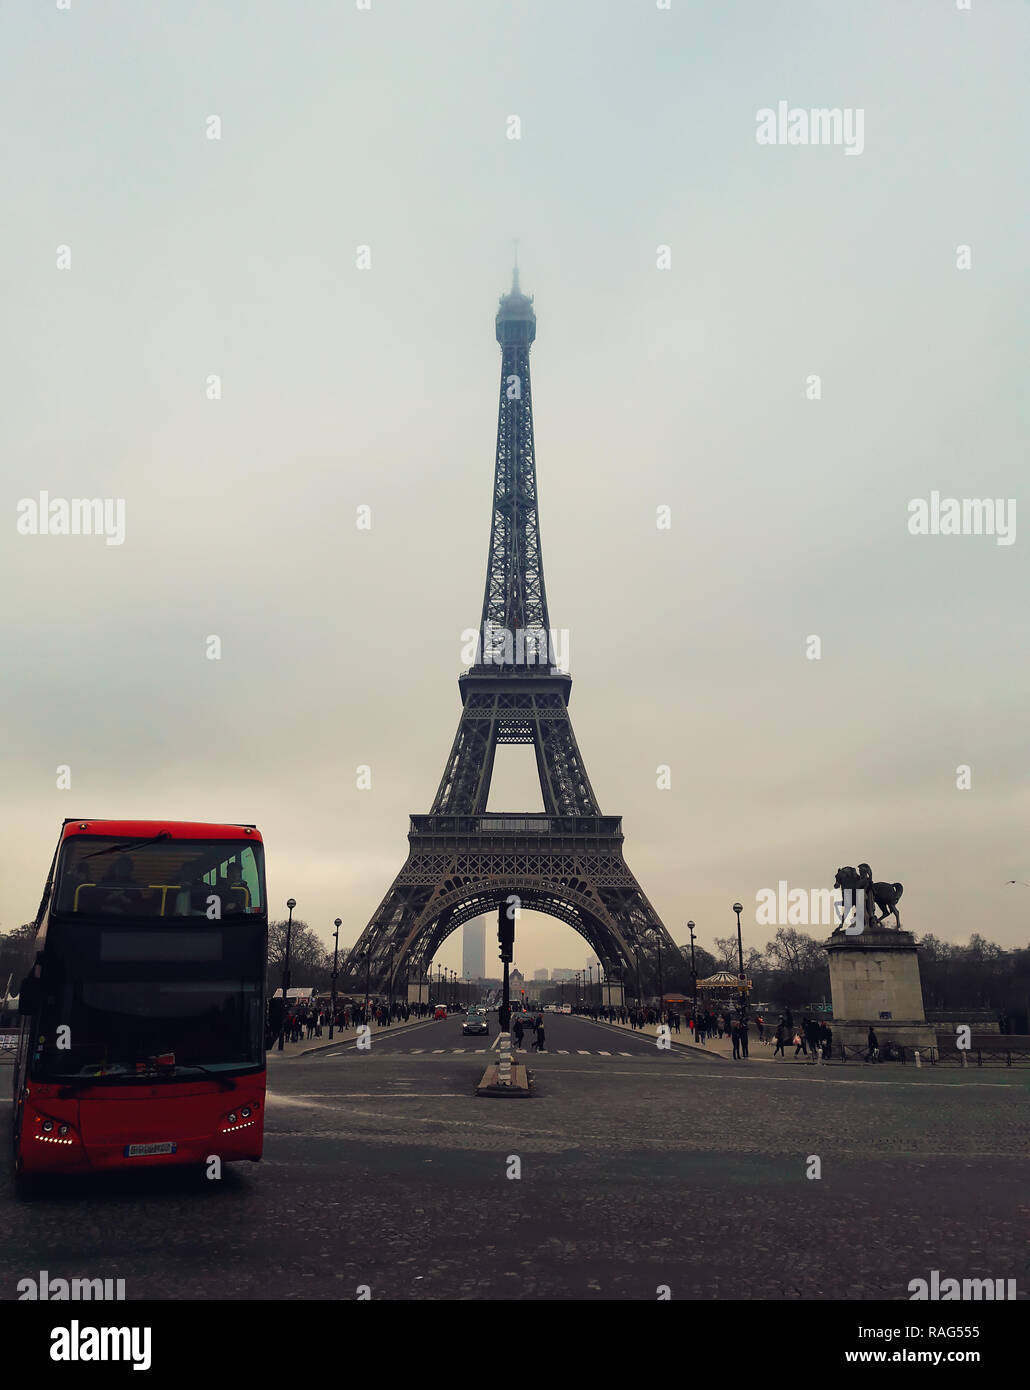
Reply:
x=382, y=1168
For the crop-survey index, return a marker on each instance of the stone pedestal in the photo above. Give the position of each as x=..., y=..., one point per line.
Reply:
x=874, y=982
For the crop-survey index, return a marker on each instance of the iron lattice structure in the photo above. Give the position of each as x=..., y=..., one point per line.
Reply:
x=567, y=861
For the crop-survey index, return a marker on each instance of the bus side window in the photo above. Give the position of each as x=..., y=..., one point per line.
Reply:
x=249, y=875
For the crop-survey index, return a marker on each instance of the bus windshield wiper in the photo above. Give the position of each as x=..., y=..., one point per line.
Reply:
x=223, y=1081
x=72, y=1083
x=127, y=849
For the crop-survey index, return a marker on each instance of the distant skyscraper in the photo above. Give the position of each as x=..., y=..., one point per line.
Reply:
x=473, y=949
x=540, y=975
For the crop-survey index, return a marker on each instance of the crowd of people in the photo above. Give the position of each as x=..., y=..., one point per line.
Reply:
x=311, y=1020
x=810, y=1037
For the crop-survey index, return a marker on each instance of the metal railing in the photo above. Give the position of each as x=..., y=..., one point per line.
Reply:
x=499, y=823
x=936, y=1057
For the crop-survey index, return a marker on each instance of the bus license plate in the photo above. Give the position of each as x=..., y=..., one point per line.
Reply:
x=140, y=1150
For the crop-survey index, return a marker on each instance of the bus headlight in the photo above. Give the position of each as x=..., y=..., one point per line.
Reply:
x=45, y=1134
x=240, y=1119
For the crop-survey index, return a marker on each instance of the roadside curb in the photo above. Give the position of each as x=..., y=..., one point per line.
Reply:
x=352, y=1037
x=685, y=1047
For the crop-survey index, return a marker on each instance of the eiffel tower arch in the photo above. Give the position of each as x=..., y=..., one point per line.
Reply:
x=463, y=861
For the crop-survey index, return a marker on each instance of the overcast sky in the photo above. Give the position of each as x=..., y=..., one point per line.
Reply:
x=684, y=387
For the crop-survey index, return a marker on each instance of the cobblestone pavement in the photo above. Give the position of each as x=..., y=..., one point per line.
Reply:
x=382, y=1168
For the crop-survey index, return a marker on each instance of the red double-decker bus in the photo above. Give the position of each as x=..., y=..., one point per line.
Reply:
x=142, y=1041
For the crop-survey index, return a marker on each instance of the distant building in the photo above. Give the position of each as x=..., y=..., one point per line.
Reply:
x=562, y=974
x=516, y=982
x=473, y=949
x=541, y=975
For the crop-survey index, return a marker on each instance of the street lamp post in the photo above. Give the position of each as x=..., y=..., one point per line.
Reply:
x=390, y=1002
x=661, y=987
x=368, y=969
x=590, y=986
x=693, y=971
x=332, y=1003
x=742, y=994
x=291, y=903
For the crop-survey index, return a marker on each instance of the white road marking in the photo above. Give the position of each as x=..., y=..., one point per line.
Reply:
x=413, y=1050
x=562, y=1052
x=581, y=1053
x=604, y=1054
x=439, y=1051
x=625, y=1054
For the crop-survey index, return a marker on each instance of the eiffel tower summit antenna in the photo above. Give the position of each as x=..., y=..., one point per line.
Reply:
x=463, y=861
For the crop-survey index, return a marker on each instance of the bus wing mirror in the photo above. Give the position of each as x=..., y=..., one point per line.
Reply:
x=29, y=995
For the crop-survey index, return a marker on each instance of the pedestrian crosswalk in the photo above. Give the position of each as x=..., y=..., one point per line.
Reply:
x=459, y=1051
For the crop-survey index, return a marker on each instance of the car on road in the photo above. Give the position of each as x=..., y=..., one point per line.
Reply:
x=441, y=1011
x=565, y=1009
x=476, y=1023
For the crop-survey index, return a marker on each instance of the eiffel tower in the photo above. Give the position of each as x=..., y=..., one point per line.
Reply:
x=463, y=861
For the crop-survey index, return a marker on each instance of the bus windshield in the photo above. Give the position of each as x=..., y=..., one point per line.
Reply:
x=119, y=1004
x=161, y=877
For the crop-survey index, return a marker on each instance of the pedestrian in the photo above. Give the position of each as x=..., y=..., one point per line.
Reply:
x=720, y=1024
x=735, y=1037
x=761, y=1028
x=873, y=1054
x=799, y=1043
x=781, y=1038
x=743, y=1038
x=516, y=1032
x=540, y=1037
